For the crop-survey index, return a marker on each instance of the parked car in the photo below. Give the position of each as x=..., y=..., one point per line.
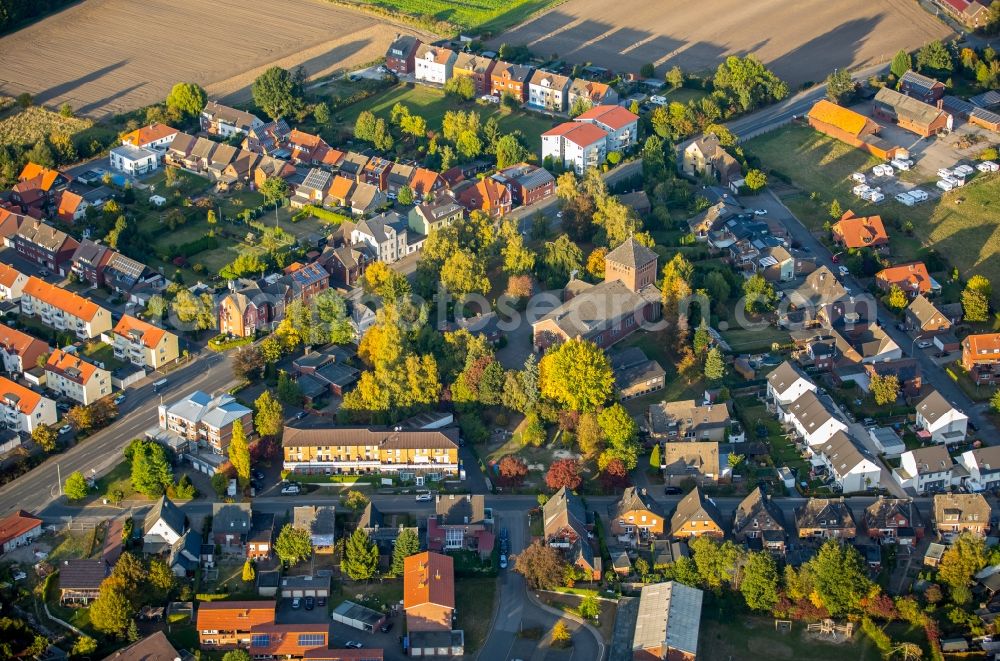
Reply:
x=386, y=628
x=301, y=414
x=677, y=491
x=257, y=474
x=423, y=496
x=353, y=644
x=503, y=562
x=310, y=603
x=291, y=489
x=760, y=212
x=65, y=429
x=925, y=344
x=321, y=601
x=844, y=271
x=296, y=603
x=119, y=399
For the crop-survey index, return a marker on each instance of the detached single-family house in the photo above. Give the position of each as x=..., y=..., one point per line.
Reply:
x=688, y=421
x=693, y=460
x=696, y=515
x=706, y=157
x=164, y=524
x=386, y=235
x=565, y=527
x=955, y=513
x=231, y=525
x=18, y=529
x=461, y=521
x=320, y=522
x=636, y=518
x=981, y=357
x=486, y=195
x=860, y=232
x=894, y=521
x=924, y=319
x=591, y=93
x=430, y=216
x=825, y=518
x=913, y=279
x=133, y=161
x=939, y=421
x=758, y=518
x=429, y=592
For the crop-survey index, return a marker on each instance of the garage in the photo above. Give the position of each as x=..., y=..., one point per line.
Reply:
x=358, y=617
x=305, y=586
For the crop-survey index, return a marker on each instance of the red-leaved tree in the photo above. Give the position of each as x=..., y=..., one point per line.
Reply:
x=564, y=473
x=513, y=470
x=615, y=475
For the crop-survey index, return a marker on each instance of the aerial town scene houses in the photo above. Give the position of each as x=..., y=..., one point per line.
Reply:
x=479, y=334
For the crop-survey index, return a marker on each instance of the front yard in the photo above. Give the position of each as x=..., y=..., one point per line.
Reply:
x=475, y=599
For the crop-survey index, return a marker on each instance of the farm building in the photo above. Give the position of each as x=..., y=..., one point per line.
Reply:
x=972, y=113
x=853, y=128
x=911, y=114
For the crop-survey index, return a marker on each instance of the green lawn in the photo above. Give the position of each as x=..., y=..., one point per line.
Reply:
x=744, y=638
x=103, y=353
x=743, y=341
x=475, y=599
x=963, y=226
x=491, y=16
x=753, y=414
x=431, y=104
x=119, y=478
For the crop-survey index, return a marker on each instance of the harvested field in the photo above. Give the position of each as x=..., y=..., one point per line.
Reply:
x=109, y=56
x=801, y=41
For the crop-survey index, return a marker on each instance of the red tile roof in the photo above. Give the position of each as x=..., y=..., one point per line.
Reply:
x=610, y=115
x=27, y=400
x=150, y=334
x=581, y=134
x=429, y=578
x=57, y=297
x=987, y=343
x=8, y=275
x=27, y=347
x=424, y=181
x=15, y=525
x=45, y=176
x=70, y=366
x=69, y=203
x=234, y=615
x=148, y=134
x=908, y=277
x=860, y=232
x=283, y=639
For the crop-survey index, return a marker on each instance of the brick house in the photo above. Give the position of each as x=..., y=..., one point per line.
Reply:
x=636, y=518
x=399, y=56
x=429, y=592
x=825, y=518
x=955, y=513
x=696, y=515
x=981, y=357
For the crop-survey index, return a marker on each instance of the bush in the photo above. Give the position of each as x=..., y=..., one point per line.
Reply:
x=198, y=245
x=217, y=596
x=325, y=215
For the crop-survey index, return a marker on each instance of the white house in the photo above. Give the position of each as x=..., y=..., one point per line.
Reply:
x=12, y=283
x=135, y=161
x=787, y=383
x=24, y=410
x=621, y=125
x=853, y=468
x=434, y=64
x=925, y=469
x=983, y=465
x=813, y=419
x=73, y=377
x=575, y=145
x=18, y=529
x=939, y=421
x=386, y=235
x=164, y=525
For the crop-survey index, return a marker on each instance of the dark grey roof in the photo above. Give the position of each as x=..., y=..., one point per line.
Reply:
x=626, y=358
x=318, y=180
x=459, y=509
x=933, y=406
x=632, y=254
x=824, y=513
x=78, y=574
x=784, y=376
x=920, y=81
x=986, y=99
x=757, y=507
x=166, y=510
x=371, y=517
x=634, y=499
x=154, y=647
x=231, y=517
x=318, y=520
x=879, y=512
x=695, y=506
x=89, y=252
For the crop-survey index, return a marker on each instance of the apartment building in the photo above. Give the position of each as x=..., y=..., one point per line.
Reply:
x=73, y=377
x=430, y=454
x=62, y=310
x=205, y=420
x=19, y=352
x=23, y=410
x=44, y=245
x=981, y=357
x=144, y=344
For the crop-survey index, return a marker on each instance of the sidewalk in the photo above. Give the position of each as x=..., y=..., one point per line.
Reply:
x=545, y=643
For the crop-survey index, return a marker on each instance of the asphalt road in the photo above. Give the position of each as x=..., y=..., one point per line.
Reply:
x=931, y=372
x=35, y=490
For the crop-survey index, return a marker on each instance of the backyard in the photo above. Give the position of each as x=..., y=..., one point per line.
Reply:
x=963, y=225
x=431, y=104
x=756, y=418
x=475, y=598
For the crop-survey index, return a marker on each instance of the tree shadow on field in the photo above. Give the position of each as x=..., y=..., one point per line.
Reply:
x=66, y=88
x=100, y=104
x=818, y=57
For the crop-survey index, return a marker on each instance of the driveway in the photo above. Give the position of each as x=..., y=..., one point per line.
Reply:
x=519, y=611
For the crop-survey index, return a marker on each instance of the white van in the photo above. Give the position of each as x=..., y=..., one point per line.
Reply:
x=945, y=185
x=658, y=100
x=956, y=180
x=964, y=170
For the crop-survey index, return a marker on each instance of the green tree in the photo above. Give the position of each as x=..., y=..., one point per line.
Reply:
x=748, y=82
x=759, y=294
x=405, y=196
x=274, y=189
x=463, y=273
x=160, y=576
x=239, y=454
x=462, y=87
x=276, y=92
x=187, y=99
x=360, y=560
x=41, y=154
x=269, y=418
x=509, y=151
x=561, y=635
x=840, y=87
x=647, y=70
x=676, y=285
x=84, y=646
x=995, y=402
x=46, y=437
x=654, y=457
x=675, y=77
x=407, y=544
x=620, y=432
x=589, y=608
x=562, y=256
x=835, y=210
x=543, y=567
x=288, y=390
x=717, y=563
x=249, y=573
x=840, y=577
x=518, y=259
x=965, y=557
x=576, y=374
x=759, y=585
x=976, y=299
x=355, y=500
x=715, y=365
x=293, y=544
x=934, y=57
x=236, y=655
x=364, y=126
x=756, y=180
x=885, y=389
x=321, y=113
x=151, y=472
x=111, y=612
x=901, y=63
x=75, y=486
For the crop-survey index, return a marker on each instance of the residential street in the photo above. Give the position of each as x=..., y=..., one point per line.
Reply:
x=95, y=455
x=932, y=373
